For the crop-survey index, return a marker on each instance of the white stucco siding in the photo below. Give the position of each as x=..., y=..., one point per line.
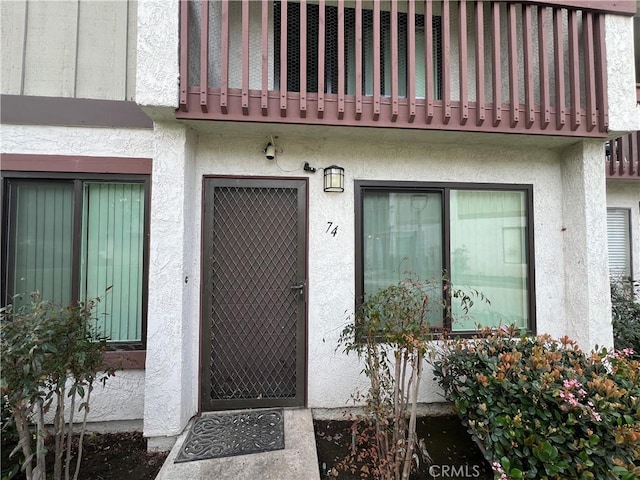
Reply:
x=333, y=377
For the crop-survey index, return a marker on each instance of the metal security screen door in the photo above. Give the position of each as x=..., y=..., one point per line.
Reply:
x=253, y=306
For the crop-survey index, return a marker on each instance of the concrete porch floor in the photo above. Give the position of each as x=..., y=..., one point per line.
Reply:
x=298, y=460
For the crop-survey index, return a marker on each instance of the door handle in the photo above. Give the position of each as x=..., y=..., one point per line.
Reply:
x=298, y=288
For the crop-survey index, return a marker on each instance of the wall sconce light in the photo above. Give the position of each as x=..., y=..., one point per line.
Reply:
x=334, y=179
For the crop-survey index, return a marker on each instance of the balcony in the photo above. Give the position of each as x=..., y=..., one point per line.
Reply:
x=504, y=67
x=623, y=158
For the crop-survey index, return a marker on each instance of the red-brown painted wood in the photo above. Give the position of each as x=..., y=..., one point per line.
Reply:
x=527, y=49
x=303, y=57
x=204, y=56
x=428, y=60
x=184, y=54
x=341, y=59
x=245, y=57
x=224, y=73
x=574, y=68
x=601, y=73
x=464, y=60
x=283, y=61
x=589, y=69
x=514, y=100
x=446, y=61
x=376, y=59
x=411, y=60
x=480, y=87
x=559, y=68
x=545, y=105
x=264, y=103
x=497, y=69
x=321, y=56
x=358, y=59
x=394, y=61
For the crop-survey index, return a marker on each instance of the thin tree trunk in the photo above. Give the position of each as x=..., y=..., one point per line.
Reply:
x=41, y=467
x=59, y=424
x=22, y=425
x=411, y=434
x=67, y=466
x=84, y=428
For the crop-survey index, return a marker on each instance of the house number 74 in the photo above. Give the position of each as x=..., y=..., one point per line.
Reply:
x=332, y=232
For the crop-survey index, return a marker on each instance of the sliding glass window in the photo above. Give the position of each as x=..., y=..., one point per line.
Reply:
x=477, y=236
x=78, y=239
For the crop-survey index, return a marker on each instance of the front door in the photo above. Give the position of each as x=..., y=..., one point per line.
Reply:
x=253, y=350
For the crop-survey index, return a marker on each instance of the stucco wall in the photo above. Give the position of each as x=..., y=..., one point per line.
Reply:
x=331, y=290
x=123, y=396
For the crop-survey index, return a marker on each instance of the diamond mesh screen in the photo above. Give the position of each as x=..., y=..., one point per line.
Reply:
x=253, y=309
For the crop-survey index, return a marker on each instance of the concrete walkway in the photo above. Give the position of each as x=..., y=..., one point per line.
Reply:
x=298, y=460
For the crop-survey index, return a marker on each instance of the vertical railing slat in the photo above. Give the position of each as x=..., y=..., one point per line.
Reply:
x=545, y=106
x=633, y=153
x=463, y=60
x=589, y=70
x=341, y=59
x=497, y=69
x=303, y=58
x=184, y=54
x=204, y=56
x=411, y=60
x=358, y=59
x=623, y=143
x=527, y=38
x=245, y=57
x=394, y=61
x=480, y=88
x=283, y=57
x=224, y=70
x=264, y=94
x=321, y=56
x=446, y=61
x=428, y=59
x=601, y=73
x=559, y=68
x=514, y=99
x=574, y=68
x=376, y=59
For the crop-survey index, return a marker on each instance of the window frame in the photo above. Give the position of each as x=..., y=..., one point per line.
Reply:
x=77, y=179
x=444, y=188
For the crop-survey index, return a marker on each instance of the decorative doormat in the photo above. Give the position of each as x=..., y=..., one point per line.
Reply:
x=230, y=434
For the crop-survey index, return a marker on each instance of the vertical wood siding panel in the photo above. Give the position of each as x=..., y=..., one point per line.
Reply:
x=132, y=49
x=50, y=66
x=13, y=16
x=102, y=50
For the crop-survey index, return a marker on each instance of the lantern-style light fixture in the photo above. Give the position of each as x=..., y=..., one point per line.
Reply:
x=334, y=179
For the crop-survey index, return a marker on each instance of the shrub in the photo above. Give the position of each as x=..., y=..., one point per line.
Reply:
x=543, y=409
x=49, y=354
x=625, y=313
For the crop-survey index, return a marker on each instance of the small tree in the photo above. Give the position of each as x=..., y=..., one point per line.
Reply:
x=392, y=334
x=49, y=353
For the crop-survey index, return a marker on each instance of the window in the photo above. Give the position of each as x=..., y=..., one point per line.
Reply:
x=331, y=50
x=73, y=238
x=480, y=234
x=619, y=243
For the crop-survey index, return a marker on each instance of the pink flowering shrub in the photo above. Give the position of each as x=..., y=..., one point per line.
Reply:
x=543, y=409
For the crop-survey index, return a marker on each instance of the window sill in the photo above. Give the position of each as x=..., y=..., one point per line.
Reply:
x=125, y=360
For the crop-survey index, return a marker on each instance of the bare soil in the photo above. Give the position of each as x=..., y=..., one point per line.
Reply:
x=454, y=454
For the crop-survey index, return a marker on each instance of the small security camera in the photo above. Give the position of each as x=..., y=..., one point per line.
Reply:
x=270, y=151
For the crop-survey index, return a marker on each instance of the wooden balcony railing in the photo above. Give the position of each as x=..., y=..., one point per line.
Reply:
x=622, y=157
x=520, y=67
